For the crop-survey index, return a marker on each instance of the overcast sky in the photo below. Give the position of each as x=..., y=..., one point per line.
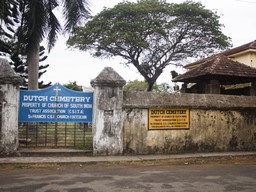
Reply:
x=238, y=17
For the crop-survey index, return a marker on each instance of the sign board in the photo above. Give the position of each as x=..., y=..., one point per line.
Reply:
x=55, y=104
x=168, y=118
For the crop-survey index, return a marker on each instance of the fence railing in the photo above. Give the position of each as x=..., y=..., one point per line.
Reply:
x=56, y=134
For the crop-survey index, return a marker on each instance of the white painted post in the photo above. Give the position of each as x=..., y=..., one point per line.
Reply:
x=107, y=113
x=9, y=89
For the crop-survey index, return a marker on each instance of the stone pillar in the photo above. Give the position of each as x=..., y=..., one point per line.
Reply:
x=107, y=113
x=9, y=102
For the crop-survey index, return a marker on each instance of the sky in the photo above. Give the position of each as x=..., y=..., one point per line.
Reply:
x=66, y=65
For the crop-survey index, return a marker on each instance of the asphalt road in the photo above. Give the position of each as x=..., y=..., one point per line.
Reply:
x=130, y=178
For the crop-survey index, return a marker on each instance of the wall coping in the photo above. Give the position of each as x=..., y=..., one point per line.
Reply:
x=7, y=74
x=108, y=77
x=187, y=100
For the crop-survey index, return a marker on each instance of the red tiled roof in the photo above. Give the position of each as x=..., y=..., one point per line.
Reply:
x=247, y=46
x=251, y=45
x=220, y=68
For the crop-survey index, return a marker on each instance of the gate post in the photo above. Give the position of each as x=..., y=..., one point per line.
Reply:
x=9, y=96
x=107, y=126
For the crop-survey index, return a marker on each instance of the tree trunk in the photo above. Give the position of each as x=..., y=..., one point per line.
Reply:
x=33, y=67
x=150, y=85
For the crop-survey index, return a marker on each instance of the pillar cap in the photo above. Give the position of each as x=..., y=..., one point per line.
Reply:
x=108, y=77
x=7, y=74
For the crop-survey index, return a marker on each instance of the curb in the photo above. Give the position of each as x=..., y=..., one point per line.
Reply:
x=195, y=157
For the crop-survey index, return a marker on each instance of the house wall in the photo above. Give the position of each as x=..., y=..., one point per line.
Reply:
x=253, y=59
x=248, y=58
x=243, y=58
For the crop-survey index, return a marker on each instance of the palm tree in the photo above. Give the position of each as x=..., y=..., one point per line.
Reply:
x=37, y=22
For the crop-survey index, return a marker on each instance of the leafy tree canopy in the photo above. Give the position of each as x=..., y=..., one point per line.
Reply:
x=73, y=86
x=33, y=21
x=137, y=85
x=152, y=34
x=13, y=44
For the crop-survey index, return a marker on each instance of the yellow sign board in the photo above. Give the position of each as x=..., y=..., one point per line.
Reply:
x=168, y=118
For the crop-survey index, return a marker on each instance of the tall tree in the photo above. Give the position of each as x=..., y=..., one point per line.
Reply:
x=152, y=34
x=18, y=63
x=37, y=22
x=13, y=47
x=8, y=20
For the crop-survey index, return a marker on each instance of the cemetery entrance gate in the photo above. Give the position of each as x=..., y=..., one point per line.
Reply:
x=55, y=117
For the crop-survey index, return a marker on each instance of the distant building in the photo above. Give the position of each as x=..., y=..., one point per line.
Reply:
x=230, y=72
x=245, y=54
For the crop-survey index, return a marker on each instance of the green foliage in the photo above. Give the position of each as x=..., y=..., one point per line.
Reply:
x=137, y=85
x=13, y=47
x=18, y=63
x=152, y=34
x=73, y=86
x=33, y=21
x=38, y=20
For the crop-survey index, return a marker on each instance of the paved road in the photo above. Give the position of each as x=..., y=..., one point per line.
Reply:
x=130, y=178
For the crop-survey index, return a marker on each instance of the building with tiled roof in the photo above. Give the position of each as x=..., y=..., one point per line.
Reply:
x=245, y=54
x=230, y=72
x=221, y=68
